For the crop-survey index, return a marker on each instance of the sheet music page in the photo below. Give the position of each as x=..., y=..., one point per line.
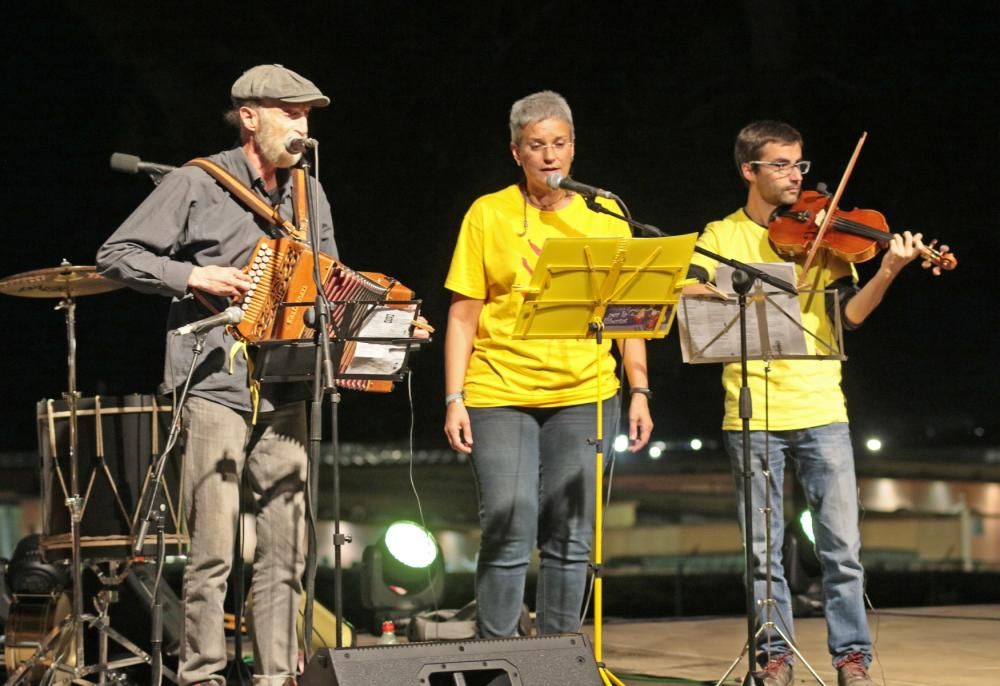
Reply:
x=710, y=328
x=381, y=359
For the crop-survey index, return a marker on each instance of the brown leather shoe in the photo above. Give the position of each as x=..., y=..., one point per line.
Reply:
x=852, y=671
x=777, y=671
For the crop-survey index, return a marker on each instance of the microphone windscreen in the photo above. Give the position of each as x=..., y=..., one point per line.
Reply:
x=553, y=180
x=128, y=164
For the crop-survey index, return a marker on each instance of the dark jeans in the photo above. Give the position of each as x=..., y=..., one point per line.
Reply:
x=535, y=474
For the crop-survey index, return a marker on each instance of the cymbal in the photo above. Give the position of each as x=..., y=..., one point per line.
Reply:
x=64, y=281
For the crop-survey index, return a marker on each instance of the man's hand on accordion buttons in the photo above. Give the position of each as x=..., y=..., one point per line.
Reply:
x=227, y=281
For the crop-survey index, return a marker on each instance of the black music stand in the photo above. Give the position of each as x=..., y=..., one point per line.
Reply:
x=703, y=342
x=283, y=361
x=358, y=324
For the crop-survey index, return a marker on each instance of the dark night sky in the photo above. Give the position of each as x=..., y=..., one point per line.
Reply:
x=418, y=130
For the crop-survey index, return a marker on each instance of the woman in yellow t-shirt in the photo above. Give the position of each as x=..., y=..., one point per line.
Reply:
x=524, y=409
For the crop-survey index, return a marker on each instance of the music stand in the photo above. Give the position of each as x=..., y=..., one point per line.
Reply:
x=596, y=287
x=709, y=331
x=701, y=343
x=359, y=327
x=375, y=346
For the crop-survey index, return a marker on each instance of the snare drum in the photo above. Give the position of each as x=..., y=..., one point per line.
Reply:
x=118, y=440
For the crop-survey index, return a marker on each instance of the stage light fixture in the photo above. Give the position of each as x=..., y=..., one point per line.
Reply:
x=696, y=444
x=806, y=522
x=28, y=572
x=621, y=443
x=873, y=444
x=403, y=572
x=802, y=569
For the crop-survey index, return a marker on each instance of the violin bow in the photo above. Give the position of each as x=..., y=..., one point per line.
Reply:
x=832, y=208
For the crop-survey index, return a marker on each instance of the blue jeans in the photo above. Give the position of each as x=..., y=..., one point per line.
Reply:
x=824, y=464
x=535, y=475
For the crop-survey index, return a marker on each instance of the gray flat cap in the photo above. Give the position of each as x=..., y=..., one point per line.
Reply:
x=275, y=82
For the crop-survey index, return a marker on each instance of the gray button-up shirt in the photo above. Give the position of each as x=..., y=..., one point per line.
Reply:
x=190, y=220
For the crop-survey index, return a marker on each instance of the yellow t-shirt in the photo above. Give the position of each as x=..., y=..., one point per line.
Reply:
x=495, y=252
x=801, y=394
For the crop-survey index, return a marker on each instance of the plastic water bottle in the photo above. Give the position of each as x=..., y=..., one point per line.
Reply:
x=388, y=636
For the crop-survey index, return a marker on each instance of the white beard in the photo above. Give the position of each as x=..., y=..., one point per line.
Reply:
x=271, y=144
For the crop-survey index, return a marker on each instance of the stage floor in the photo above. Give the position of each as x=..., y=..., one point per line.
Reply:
x=929, y=646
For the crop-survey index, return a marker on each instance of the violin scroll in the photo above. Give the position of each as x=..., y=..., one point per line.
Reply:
x=938, y=259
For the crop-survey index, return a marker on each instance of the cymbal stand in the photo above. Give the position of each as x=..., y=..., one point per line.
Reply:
x=73, y=502
x=68, y=656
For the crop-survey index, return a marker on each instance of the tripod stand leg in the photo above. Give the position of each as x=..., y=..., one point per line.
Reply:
x=608, y=678
x=43, y=648
x=732, y=667
x=794, y=648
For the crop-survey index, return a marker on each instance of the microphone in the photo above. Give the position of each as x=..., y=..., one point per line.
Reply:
x=130, y=164
x=556, y=181
x=294, y=144
x=230, y=315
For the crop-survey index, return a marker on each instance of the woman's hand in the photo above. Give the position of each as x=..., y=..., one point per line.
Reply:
x=640, y=423
x=457, y=427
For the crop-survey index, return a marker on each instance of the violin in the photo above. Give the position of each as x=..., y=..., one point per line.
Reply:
x=853, y=236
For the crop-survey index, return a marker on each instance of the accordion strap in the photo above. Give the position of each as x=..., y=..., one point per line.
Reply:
x=300, y=203
x=246, y=196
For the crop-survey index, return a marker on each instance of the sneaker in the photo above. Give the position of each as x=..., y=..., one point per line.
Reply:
x=852, y=671
x=777, y=671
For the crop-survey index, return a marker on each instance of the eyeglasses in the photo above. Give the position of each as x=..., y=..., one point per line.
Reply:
x=558, y=145
x=784, y=167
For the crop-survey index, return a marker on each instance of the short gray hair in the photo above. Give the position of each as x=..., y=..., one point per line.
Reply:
x=536, y=107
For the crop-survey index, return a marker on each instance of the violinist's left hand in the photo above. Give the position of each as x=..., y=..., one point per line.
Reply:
x=903, y=249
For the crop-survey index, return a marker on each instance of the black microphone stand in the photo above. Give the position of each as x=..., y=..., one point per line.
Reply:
x=741, y=284
x=151, y=515
x=323, y=383
x=650, y=230
x=744, y=276
x=147, y=506
x=156, y=631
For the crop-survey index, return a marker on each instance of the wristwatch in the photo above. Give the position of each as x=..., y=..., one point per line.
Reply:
x=641, y=390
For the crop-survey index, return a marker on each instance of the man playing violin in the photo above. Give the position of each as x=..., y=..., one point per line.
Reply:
x=805, y=416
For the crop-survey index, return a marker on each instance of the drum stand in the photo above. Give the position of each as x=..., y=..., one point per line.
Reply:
x=68, y=654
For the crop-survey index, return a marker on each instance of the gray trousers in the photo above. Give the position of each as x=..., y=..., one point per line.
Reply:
x=219, y=444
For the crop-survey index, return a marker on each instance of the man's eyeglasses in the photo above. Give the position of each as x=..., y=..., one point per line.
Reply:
x=784, y=167
x=558, y=145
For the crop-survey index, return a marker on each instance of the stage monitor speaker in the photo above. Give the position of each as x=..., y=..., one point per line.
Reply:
x=563, y=660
